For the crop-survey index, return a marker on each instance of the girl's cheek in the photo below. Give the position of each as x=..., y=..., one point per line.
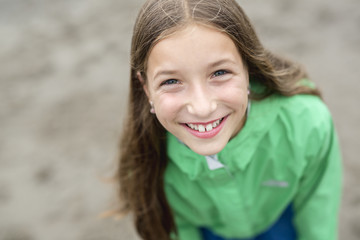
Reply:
x=233, y=92
x=169, y=104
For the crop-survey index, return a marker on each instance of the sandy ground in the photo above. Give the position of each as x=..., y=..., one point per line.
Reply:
x=63, y=90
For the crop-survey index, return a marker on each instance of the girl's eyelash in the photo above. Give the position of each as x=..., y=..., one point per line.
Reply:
x=219, y=73
x=169, y=82
x=174, y=81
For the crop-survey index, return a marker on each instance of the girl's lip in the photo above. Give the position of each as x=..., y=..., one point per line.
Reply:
x=206, y=134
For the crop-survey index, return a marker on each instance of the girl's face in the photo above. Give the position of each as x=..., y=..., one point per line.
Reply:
x=199, y=87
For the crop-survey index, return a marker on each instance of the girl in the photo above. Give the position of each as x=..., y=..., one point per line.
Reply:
x=223, y=140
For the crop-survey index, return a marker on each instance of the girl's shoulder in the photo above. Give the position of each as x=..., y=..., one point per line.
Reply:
x=298, y=117
x=299, y=105
x=304, y=108
x=301, y=108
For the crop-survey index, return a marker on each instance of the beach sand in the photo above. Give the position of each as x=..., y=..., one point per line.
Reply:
x=63, y=91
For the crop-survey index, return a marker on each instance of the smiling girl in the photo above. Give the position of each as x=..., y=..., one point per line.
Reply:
x=224, y=140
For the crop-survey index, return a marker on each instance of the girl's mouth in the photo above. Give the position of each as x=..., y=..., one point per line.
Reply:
x=205, y=127
x=205, y=130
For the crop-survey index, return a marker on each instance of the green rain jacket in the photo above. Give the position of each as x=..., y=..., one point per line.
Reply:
x=286, y=154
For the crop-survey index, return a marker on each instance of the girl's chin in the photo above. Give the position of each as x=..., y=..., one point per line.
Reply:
x=207, y=149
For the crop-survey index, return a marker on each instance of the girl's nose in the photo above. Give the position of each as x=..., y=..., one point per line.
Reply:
x=201, y=102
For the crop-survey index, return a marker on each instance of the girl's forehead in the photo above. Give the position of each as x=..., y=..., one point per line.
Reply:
x=193, y=36
x=193, y=47
x=191, y=30
x=188, y=30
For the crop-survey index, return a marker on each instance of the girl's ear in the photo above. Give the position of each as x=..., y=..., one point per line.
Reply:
x=142, y=81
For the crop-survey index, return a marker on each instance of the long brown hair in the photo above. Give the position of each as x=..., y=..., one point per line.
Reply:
x=143, y=159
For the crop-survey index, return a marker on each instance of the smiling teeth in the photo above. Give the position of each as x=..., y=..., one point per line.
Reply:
x=201, y=128
x=204, y=128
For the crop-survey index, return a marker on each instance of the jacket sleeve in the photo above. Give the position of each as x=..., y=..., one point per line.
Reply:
x=316, y=203
x=185, y=229
x=186, y=232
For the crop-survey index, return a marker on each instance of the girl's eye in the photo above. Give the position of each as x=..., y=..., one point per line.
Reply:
x=220, y=73
x=169, y=82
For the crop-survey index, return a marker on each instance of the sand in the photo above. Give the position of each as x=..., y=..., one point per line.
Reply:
x=63, y=91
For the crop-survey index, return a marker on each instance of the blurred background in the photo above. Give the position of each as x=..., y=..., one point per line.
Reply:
x=64, y=69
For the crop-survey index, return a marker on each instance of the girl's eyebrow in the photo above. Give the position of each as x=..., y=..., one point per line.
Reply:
x=165, y=72
x=211, y=65
x=220, y=62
